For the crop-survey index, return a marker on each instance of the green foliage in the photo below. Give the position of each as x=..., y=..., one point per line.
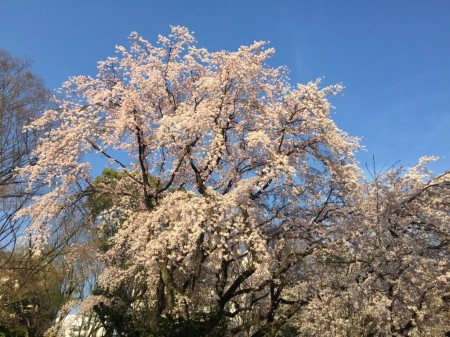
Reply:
x=200, y=325
x=10, y=325
x=101, y=198
x=106, y=192
x=117, y=319
x=99, y=202
x=288, y=331
x=20, y=331
x=31, y=295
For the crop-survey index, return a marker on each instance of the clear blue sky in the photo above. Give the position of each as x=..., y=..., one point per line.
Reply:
x=392, y=56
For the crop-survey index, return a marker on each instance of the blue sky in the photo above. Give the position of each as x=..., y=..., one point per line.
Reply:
x=393, y=57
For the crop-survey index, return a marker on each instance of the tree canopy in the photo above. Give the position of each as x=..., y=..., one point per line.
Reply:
x=236, y=200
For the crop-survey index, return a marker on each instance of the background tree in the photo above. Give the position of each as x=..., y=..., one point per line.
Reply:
x=33, y=286
x=22, y=98
x=391, y=272
x=30, y=301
